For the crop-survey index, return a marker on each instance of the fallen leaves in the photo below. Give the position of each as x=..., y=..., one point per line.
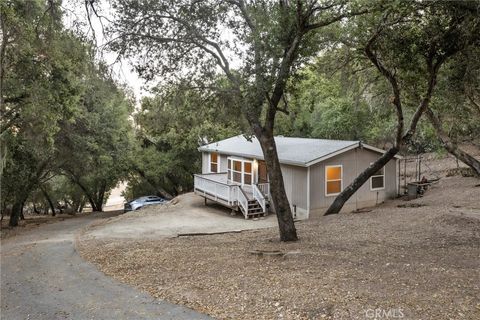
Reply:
x=423, y=260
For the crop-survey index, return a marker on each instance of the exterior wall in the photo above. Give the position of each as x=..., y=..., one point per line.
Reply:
x=223, y=162
x=305, y=187
x=205, y=162
x=223, y=165
x=295, y=180
x=353, y=162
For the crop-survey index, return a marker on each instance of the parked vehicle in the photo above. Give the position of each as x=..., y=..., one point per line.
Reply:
x=142, y=202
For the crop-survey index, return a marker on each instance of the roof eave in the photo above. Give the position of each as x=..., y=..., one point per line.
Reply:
x=332, y=154
x=254, y=156
x=372, y=148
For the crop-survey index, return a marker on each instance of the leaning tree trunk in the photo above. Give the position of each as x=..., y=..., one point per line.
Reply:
x=451, y=146
x=160, y=191
x=277, y=189
x=92, y=203
x=340, y=200
x=49, y=200
x=86, y=193
x=80, y=207
x=98, y=205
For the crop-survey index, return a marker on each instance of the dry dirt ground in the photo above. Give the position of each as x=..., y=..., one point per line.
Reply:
x=417, y=261
x=184, y=215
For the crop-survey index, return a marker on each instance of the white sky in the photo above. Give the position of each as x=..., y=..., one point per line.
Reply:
x=76, y=17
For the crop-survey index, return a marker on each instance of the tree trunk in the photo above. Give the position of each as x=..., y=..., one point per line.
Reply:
x=99, y=205
x=22, y=216
x=160, y=191
x=99, y=198
x=80, y=207
x=3, y=209
x=340, y=200
x=15, y=214
x=87, y=194
x=400, y=138
x=451, y=146
x=277, y=189
x=49, y=200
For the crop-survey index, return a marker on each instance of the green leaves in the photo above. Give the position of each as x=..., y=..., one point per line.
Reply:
x=170, y=128
x=62, y=113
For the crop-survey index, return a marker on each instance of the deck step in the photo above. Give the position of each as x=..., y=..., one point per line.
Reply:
x=254, y=209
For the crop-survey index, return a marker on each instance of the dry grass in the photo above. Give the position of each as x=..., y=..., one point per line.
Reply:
x=423, y=260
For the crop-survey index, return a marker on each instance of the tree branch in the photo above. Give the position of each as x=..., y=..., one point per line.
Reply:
x=390, y=76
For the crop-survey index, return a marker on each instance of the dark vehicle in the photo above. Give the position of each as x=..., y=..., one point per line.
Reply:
x=142, y=202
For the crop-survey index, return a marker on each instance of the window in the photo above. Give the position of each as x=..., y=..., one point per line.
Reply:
x=235, y=170
x=213, y=162
x=333, y=180
x=377, y=181
x=247, y=172
x=240, y=171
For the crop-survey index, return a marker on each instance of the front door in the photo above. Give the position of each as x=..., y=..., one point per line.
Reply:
x=262, y=172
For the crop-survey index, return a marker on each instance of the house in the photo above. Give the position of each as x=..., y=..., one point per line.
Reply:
x=315, y=171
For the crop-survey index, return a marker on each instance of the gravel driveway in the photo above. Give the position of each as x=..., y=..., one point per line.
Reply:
x=43, y=277
x=187, y=215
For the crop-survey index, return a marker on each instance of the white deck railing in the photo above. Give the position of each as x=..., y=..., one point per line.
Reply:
x=242, y=201
x=215, y=187
x=258, y=195
x=265, y=188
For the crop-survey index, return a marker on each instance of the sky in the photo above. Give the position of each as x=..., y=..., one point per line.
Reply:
x=76, y=18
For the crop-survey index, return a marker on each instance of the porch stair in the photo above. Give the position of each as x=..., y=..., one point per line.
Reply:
x=254, y=210
x=252, y=200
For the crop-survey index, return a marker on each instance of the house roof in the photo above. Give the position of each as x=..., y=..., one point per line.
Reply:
x=295, y=151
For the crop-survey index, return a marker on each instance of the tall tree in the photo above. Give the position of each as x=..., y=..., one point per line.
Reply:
x=39, y=87
x=101, y=135
x=413, y=39
x=257, y=45
x=454, y=114
x=50, y=83
x=170, y=127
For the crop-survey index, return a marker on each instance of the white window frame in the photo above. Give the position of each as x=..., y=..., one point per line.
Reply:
x=210, y=162
x=243, y=161
x=341, y=180
x=382, y=188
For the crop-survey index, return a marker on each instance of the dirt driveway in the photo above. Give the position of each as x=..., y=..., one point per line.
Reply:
x=188, y=215
x=43, y=277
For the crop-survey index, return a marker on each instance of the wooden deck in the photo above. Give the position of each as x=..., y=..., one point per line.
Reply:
x=250, y=199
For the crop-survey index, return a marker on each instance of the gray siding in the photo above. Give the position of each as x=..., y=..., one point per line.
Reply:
x=205, y=162
x=223, y=162
x=295, y=180
x=305, y=187
x=353, y=162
